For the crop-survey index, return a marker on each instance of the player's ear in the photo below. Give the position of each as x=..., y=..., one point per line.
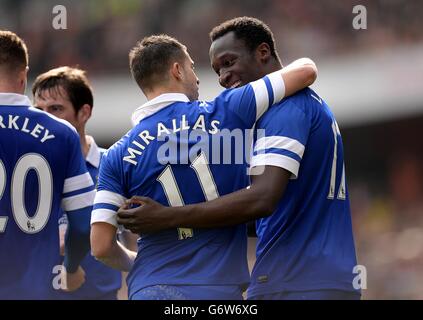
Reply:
x=23, y=78
x=85, y=112
x=263, y=53
x=176, y=71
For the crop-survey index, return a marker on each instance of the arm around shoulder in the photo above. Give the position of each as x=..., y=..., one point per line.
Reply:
x=298, y=75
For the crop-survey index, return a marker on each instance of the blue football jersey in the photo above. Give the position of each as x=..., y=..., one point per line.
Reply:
x=42, y=171
x=307, y=243
x=174, y=171
x=101, y=281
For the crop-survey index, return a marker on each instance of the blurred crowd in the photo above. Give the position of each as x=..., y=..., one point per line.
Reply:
x=100, y=32
x=386, y=192
x=389, y=233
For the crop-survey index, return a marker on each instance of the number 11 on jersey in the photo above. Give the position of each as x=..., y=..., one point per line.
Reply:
x=170, y=186
x=342, y=190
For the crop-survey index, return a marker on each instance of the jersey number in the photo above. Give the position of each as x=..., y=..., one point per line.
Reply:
x=173, y=194
x=341, y=192
x=25, y=164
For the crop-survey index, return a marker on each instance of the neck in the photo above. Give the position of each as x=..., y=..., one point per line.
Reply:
x=154, y=93
x=85, y=143
x=7, y=87
x=11, y=82
x=272, y=66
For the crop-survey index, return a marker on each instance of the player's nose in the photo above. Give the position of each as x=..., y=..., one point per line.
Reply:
x=224, y=79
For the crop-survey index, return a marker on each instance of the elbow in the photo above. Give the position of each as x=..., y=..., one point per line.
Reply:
x=310, y=74
x=266, y=205
x=100, y=252
x=100, y=249
x=310, y=71
x=267, y=209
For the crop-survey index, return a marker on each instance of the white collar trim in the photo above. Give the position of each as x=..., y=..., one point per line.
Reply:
x=155, y=105
x=93, y=155
x=14, y=99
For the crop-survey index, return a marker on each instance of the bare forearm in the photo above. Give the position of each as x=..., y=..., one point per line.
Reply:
x=235, y=208
x=106, y=248
x=245, y=205
x=260, y=200
x=119, y=257
x=298, y=75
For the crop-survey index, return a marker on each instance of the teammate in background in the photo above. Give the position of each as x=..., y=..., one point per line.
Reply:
x=305, y=247
x=181, y=263
x=42, y=171
x=65, y=92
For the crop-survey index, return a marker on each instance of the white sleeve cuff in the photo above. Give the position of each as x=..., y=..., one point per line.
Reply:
x=109, y=197
x=79, y=182
x=104, y=215
x=277, y=160
x=278, y=86
x=79, y=201
x=261, y=96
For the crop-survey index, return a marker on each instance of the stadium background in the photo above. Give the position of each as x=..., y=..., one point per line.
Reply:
x=372, y=79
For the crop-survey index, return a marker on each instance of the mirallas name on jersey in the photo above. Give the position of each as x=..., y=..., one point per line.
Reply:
x=25, y=125
x=143, y=139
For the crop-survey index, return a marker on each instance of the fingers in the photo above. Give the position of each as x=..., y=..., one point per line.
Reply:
x=134, y=230
x=138, y=200
x=125, y=213
x=126, y=207
x=132, y=218
x=129, y=225
x=126, y=219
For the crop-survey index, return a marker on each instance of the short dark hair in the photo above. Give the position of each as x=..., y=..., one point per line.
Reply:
x=152, y=57
x=73, y=80
x=251, y=30
x=13, y=51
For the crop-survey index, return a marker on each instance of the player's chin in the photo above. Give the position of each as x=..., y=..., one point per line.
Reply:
x=196, y=95
x=235, y=84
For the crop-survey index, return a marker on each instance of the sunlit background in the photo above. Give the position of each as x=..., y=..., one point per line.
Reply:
x=372, y=79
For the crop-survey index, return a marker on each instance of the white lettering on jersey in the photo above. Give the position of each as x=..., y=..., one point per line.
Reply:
x=26, y=126
x=137, y=147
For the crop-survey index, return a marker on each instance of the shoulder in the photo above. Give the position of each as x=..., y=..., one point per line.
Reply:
x=229, y=100
x=296, y=102
x=229, y=94
x=117, y=149
x=298, y=99
x=305, y=96
x=113, y=150
x=303, y=100
x=200, y=106
x=298, y=107
x=102, y=151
